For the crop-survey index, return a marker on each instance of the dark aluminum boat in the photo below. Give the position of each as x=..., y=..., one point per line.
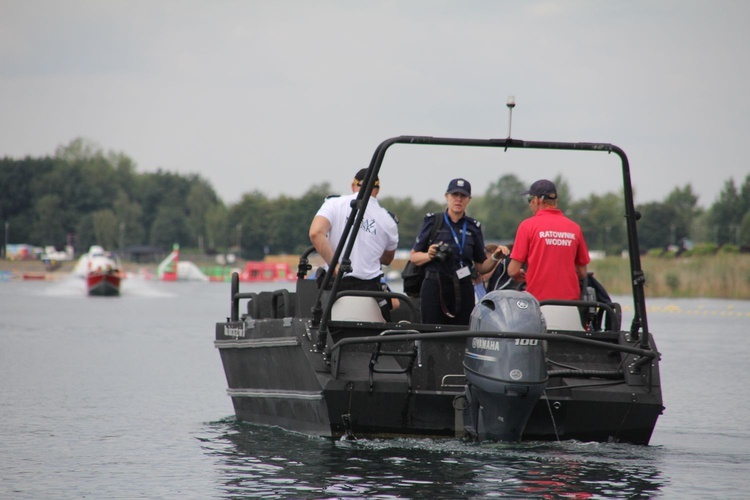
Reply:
x=323, y=362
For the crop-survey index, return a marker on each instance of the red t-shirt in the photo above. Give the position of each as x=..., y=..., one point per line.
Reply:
x=552, y=246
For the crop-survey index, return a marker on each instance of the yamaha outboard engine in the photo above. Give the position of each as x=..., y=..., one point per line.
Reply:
x=506, y=377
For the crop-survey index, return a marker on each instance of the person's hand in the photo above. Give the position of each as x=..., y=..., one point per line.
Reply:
x=500, y=252
x=432, y=251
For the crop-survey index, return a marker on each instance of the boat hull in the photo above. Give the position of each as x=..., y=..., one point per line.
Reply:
x=276, y=377
x=103, y=285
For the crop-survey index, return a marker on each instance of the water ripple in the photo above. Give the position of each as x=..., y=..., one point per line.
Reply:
x=273, y=463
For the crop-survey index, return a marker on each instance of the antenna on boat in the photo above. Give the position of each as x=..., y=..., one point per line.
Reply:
x=511, y=104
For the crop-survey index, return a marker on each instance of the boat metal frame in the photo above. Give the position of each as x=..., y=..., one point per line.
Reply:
x=639, y=328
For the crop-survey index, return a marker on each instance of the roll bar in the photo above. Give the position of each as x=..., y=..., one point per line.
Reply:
x=359, y=205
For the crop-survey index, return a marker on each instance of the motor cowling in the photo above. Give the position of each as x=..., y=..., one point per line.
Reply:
x=506, y=376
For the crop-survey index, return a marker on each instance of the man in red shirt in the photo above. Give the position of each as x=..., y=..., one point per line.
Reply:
x=551, y=245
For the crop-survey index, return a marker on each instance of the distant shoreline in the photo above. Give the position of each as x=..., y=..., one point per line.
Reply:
x=721, y=276
x=37, y=267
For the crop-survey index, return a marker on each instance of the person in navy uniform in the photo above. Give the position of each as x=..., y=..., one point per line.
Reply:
x=456, y=252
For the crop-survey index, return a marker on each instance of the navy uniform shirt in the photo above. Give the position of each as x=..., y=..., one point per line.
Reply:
x=473, y=249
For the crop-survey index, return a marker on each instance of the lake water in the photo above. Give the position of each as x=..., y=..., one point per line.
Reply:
x=125, y=397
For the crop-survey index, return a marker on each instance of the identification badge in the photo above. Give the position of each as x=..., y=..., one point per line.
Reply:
x=463, y=272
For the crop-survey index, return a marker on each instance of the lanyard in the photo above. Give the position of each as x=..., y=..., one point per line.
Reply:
x=455, y=238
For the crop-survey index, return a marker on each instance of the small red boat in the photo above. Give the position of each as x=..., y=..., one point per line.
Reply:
x=101, y=270
x=103, y=282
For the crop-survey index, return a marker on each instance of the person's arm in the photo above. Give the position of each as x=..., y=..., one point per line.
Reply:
x=387, y=257
x=319, y=237
x=581, y=271
x=391, y=241
x=489, y=264
x=422, y=258
x=515, y=271
x=582, y=256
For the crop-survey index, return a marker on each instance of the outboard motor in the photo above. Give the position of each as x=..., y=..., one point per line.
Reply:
x=506, y=377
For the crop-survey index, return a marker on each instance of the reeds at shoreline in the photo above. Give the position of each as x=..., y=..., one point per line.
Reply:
x=721, y=276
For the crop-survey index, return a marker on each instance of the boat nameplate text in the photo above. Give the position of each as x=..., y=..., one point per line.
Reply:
x=234, y=331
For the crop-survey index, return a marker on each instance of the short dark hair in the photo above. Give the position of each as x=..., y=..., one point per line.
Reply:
x=360, y=176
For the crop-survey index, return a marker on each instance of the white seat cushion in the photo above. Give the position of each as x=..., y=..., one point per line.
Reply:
x=562, y=318
x=356, y=309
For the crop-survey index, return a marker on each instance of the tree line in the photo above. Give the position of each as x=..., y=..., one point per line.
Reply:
x=84, y=196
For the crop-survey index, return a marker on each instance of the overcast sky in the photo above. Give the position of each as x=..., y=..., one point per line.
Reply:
x=277, y=96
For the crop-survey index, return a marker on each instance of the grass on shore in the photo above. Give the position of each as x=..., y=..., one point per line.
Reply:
x=721, y=276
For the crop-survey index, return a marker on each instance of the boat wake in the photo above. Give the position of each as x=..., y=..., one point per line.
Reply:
x=132, y=286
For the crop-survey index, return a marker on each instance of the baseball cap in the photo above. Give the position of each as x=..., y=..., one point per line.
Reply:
x=360, y=176
x=459, y=186
x=542, y=189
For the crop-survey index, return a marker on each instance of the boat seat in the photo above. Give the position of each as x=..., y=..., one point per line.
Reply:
x=562, y=318
x=356, y=309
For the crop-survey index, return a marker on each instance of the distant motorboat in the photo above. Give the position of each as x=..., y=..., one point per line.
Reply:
x=104, y=283
x=102, y=272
